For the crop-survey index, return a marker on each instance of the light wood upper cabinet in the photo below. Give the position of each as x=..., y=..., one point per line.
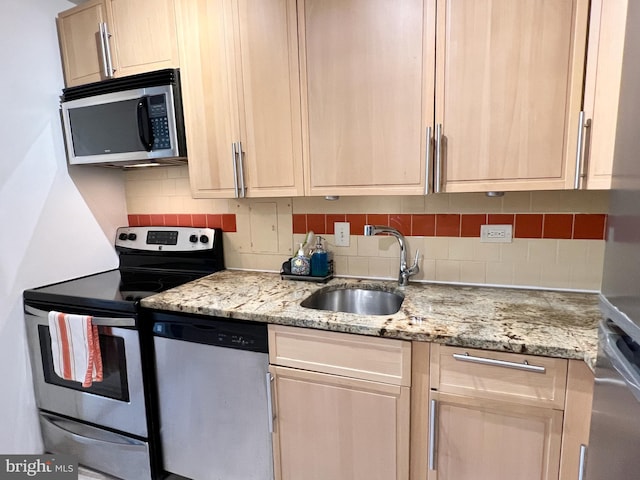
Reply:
x=602, y=89
x=80, y=48
x=144, y=35
x=509, y=79
x=142, y=39
x=341, y=405
x=240, y=83
x=367, y=88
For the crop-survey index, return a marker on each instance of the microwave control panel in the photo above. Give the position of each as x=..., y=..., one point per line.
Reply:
x=159, y=122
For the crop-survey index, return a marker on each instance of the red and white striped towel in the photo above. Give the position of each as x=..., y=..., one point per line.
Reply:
x=75, y=348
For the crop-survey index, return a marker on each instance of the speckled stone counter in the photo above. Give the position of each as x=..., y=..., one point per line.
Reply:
x=536, y=322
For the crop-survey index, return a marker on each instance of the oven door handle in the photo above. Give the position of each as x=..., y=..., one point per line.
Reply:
x=98, y=321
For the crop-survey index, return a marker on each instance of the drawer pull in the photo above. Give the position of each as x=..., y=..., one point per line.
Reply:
x=465, y=357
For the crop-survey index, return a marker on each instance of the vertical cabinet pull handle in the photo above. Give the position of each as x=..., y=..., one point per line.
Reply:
x=234, y=155
x=427, y=162
x=583, y=462
x=106, y=50
x=238, y=169
x=580, y=147
x=433, y=409
x=269, y=379
x=241, y=170
x=437, y=182
x=103, y=49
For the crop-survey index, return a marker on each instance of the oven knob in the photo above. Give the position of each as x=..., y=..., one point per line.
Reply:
x=193, y=238
x=122, y=236
x=132, y=236
x=204, y=239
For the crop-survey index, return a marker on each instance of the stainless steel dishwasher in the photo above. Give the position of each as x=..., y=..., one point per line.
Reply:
x=214, y=395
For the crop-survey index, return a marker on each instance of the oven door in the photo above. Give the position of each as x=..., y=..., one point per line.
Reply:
x=118, y=401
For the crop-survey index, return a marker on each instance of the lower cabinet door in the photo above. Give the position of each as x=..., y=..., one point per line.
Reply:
x=478, y=439
x=339, y=428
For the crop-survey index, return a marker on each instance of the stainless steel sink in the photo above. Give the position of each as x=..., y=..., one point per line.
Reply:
x=360, y=300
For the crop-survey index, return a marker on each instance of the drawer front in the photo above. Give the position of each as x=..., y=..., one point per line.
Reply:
x=355, y=356
x=512, y=377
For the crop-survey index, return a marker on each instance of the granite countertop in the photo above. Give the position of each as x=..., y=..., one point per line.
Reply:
x=535, y=322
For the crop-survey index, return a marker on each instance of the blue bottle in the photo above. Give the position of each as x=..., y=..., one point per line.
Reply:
x=319, y=260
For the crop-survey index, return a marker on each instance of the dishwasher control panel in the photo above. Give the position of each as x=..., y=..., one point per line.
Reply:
x=238, y=334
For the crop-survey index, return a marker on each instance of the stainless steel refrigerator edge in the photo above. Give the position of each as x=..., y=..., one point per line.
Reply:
x=614, y=452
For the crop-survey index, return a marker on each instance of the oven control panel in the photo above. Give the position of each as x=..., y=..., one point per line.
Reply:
x=173, y=239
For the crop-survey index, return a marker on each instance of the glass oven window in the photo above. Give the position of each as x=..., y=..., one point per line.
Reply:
x=114, y=366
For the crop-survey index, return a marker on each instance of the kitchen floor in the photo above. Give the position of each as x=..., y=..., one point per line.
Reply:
x=84, y=474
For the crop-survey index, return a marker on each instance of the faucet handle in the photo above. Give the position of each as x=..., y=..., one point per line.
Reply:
x=415, y=261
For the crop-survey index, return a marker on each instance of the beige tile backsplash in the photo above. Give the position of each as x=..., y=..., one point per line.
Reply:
x=264, y=240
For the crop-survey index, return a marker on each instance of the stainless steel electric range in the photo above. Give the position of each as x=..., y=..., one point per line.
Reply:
x=110, y=426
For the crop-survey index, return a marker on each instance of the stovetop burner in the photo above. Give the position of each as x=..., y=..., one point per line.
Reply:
x=152, y=260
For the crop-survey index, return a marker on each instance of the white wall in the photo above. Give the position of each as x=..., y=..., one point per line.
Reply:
x=48, y=231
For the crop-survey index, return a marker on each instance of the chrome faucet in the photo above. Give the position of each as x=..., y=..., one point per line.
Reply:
x=405, y=272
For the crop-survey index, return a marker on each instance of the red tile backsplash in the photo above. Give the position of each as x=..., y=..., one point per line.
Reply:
x=214, y=221
x=423, y=225
x=199, y=220
x=557, y=225
x=589, y=226
x=377, y=219
x=470, y=224
x=357, y=222
x=447, y=225
x=225, y=221
x=500, y=219
x=526, y=225
x=229, y=222
x=317, y=222
x=299, y=223
x=401, y=222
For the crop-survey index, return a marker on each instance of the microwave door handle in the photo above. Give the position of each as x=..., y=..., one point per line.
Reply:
x=145, y=130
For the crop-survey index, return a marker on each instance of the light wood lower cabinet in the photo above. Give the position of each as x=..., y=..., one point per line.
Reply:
x=482, y=439
x=492, y=416
x=335, y=425
x=352, y=407
x=339, y=428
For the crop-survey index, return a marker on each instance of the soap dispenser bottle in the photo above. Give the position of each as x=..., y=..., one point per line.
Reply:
x=300, y=264
x=319, y=260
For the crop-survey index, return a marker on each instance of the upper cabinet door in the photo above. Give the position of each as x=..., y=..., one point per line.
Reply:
x=602, y=88
x=367, y=87
x=144, y=35
x=269, y=92
x=80, y=46
x=142, y=38
x=205, y=38
x=509, y=92
x=241, y=97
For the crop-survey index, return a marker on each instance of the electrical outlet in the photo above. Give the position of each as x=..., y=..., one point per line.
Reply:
x=496, y=233
x=342, y=232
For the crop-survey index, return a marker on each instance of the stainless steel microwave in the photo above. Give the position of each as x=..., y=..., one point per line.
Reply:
x=129, y=121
